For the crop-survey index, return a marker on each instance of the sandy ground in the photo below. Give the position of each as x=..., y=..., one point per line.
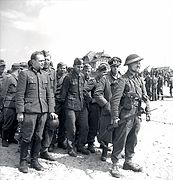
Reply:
x=154, y=152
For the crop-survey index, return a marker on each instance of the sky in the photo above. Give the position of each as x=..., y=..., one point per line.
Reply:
x=72, y=28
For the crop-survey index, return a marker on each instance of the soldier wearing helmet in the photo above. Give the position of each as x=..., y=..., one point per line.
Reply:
x=127, y=96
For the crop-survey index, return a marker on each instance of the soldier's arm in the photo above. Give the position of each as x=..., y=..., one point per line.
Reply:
x=20, y=92
x=64, y=89
x=90, y=85
x=117, y=90
x=5, y=86
x=50, y=98
x=99, y=92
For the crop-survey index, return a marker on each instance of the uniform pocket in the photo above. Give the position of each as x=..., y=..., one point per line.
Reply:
x=31, y=83
x=44, y=84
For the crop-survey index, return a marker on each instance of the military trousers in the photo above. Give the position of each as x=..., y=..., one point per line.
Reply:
x=76, y=121
x=32, y=126
x=125, y=137
x=62, y=133
x=10, y=123
x=48, y=134
x=93, y=120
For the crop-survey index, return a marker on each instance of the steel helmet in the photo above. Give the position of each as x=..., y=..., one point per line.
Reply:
x=53, y=123
x=132, y=58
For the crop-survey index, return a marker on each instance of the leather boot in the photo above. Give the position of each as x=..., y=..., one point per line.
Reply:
x=36, y=165
x=23, y=167
x=5, y=142
x=35, y=149
x=115, y=171
x=91, y=147
x=104, y=154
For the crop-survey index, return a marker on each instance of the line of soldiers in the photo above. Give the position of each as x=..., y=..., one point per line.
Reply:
x=75, y=106
x=154, y=83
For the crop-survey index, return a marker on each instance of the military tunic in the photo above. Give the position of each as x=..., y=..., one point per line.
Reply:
x=127, y=95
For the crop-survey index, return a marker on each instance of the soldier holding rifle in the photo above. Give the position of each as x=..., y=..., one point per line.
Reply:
x=127, y=94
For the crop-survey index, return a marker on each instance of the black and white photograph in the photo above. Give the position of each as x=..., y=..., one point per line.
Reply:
x=86, y=89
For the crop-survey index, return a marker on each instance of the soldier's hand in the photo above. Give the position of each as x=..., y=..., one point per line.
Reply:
x=20, y=117
x=53, y=115
x=148, y=118
x=115, y=122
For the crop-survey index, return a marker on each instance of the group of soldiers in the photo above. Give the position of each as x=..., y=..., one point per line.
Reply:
x=154, y=83
x=71, y=107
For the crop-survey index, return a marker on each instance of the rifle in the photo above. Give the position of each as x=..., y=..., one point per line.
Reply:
x=111, y=127
x=169, y=123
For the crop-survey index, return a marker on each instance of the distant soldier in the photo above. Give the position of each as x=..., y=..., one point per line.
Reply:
x=171, y=85
x=160, y=83
x=9, y=110
x=127, y=94
x=102, y=96
x=148, y=84
x=2, y=75
x=154, y=87
x=33, y=103
x=23, y=65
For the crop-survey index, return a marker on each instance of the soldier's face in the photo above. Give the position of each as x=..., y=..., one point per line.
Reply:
x=40, y=58
x=47, y=62
x=87, y=72
x=114, y=69
x=62, y=69
x=78, y=68
x=2, y=68
x=135, y=67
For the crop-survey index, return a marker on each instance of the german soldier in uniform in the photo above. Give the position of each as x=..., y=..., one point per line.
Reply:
x=33, y=102
x=127, y=94
x=102, y=96
x=94, y=108
x=76, y=113
x=59, y=107
x=48, y=132
x=9, y=111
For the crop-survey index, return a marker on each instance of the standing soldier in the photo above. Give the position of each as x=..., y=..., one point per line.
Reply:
x=127, y=94
x=154, y=87
x=76, y=113
x=102, y=96
x=48, y=129
x=94, y=108
x=59, y=107
x=160, y=83
x=33, y=102
x=170, y=84
x=148, y=84
x=10, y=123
x=2, y=75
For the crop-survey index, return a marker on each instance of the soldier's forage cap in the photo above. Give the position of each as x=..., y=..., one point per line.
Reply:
x=16, y=66
x=23, y=64
x=60, y=64
x=78, y=61
x=102, y=67
x=2, y=62
x=132, y=58
x=115, y=61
